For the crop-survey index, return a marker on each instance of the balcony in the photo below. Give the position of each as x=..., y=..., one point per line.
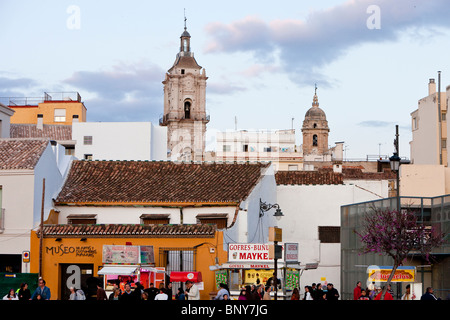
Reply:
x=165, y=119
x=34, y=101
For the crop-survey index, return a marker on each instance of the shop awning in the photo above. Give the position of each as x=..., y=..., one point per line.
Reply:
x=179, y=276
x=119, y=270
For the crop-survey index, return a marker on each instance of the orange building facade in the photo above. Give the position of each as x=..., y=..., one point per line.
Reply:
x=73, y=255
x=61, y=108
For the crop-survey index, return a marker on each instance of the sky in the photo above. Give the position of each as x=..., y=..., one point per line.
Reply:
x=370, y=59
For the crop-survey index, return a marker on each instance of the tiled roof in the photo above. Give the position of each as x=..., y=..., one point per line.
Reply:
x=307, y=178
x=130, y=230
x=21, y=153
x=358, y=174
x=58, y=132
x=159, y=183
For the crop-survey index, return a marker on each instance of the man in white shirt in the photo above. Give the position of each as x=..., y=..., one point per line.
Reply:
x=192, y=292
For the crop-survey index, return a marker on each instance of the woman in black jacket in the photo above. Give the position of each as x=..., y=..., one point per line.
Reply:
x=24, y=293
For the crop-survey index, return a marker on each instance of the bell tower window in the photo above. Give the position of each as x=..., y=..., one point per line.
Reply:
x=315, y=140
x=187, y=110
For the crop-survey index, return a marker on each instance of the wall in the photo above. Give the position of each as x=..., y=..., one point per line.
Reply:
x=120, y=140
x=57, y=252
x=28, y=114
x=306, y=207
x=424, y=180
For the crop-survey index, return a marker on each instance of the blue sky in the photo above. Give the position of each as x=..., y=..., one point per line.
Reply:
x=371, y=60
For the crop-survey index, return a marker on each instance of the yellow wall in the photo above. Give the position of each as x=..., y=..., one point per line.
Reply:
x=63, y=252
x=28, y=114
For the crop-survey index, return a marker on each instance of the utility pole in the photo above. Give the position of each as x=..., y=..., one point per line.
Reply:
x=41, y=228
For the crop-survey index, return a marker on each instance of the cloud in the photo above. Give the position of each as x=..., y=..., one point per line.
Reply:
x=304, y=47
x=125, y=92
x=375, y=124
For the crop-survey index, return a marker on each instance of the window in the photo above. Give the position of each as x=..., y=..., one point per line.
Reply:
x=414, y=123
x=330, y=234
x=87, y=140
x=444, y=116
x=187, y=110
x=69, y=150
x=292, y=167
x=226, y=148
x=60, y=115
x=444, y=143
x=81, y=219
x=220, y=220
x=245, y=148
x=88, y=157
x=315, y=140
x=267, y=149
x=155, y=219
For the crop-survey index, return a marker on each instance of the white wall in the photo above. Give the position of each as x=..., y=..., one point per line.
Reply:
x=120, y=140
x=306, y=207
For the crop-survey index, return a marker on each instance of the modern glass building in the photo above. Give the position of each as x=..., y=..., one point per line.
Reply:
x=432, y=211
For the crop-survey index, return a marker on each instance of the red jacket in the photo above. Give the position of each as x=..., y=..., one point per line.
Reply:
x=356, y=293
x=387, y=296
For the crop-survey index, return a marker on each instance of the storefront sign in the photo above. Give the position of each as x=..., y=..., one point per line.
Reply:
x=291, y=252
x=78, y=251
x=248, y=252
x=128, y=254
x=381, y=274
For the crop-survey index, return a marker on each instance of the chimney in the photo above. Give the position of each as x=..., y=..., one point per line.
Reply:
x=431, y=87
x=40, y=121
x=74, y=118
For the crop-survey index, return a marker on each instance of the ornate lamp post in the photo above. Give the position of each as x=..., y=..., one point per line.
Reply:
x=395, y=166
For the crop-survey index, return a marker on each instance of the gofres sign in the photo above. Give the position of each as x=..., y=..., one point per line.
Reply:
x=245, y=252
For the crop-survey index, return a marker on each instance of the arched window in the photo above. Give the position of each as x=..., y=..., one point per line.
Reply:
x=187, y=110
x=315, y=140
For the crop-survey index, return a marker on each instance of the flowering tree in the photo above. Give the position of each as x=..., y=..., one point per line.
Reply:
x=396, y=234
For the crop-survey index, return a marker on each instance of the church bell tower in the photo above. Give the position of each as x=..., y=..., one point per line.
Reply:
x=185, y=105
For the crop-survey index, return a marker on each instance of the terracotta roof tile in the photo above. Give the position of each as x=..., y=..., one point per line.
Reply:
x=162, y=182
x=58, y=132
x=307, y=178
x=21, y=153
x=130, y=230
x=355, y=173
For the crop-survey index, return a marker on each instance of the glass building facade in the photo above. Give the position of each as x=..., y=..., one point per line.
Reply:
x=431, y=211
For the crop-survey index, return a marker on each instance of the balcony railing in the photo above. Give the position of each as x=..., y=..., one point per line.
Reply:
x=163, y=120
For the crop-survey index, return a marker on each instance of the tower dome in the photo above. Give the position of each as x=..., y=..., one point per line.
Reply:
x=315, y=129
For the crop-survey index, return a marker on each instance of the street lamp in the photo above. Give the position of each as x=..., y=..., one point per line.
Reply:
x=395, y=166
x=264, y=207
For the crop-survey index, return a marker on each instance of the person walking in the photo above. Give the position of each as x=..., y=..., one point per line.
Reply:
x=223, y=293
x=408, y=295
x=24, y=293
x=357, y=291
x=192, y=292
x=101, y=294
x=162, y=295
x=319, y=292
x=332, y=293
x=308, y=296
x=42, y=291
x=429, y=295
x=295, y=294
x=180, y=295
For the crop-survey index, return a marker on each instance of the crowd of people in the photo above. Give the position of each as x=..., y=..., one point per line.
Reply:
x=373, y=292
x=191, y=292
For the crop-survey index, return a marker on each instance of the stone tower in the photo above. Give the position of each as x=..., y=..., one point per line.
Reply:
x=315, y=130
x=185, y=105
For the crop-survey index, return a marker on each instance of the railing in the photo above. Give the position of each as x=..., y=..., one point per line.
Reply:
x=165, y=118
x=34, y=101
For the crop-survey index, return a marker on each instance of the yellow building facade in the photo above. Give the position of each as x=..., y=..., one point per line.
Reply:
x=71, y=255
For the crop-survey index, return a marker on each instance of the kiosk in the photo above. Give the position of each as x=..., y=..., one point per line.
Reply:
x=249, y=264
